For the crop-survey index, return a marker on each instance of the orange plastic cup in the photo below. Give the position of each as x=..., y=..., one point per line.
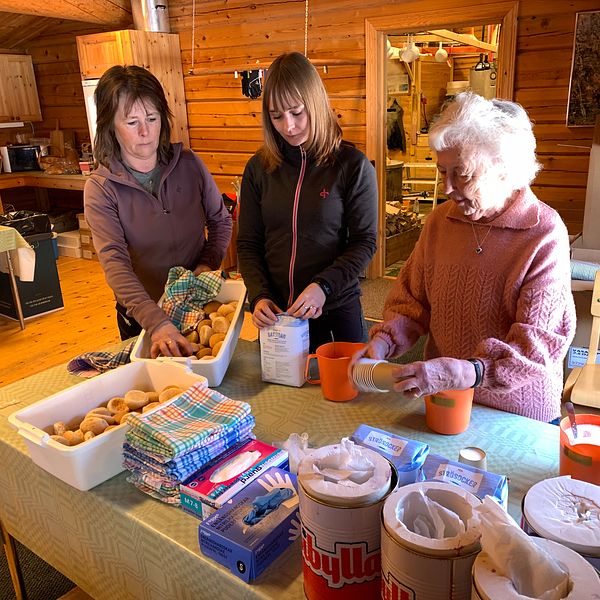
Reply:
x=333, y=360
x=579, y=460
x=449, y=412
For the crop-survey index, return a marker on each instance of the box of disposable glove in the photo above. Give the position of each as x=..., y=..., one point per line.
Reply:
x=251, y=530
x=477, y=481
x=218, y=481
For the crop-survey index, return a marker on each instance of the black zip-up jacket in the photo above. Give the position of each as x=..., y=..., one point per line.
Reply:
x=304, y=222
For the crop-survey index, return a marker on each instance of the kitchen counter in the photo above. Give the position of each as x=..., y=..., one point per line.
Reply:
x=41, y=182
x=115, y=542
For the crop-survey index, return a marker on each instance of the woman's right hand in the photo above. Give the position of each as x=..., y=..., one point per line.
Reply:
x=377, y=348
x=265, y=313
x=167, y=341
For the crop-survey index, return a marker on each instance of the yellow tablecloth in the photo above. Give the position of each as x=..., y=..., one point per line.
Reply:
x=117, y=543
x=22, y=254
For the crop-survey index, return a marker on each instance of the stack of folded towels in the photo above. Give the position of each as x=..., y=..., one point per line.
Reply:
x=165, y=446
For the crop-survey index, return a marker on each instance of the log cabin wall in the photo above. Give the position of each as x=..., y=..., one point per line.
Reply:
x=234, y=35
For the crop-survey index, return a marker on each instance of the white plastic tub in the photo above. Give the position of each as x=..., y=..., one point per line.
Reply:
x=94, y=461
x=213, y=369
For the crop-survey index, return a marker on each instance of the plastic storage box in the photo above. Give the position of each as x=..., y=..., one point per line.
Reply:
x=94, y=461
x=213, y=368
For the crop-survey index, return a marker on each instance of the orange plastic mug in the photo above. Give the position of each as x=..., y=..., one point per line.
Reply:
x=449, y=412
x=333, y=359
x=577, y=458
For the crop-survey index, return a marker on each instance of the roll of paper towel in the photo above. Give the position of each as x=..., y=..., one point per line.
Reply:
x=345, y=474
x=433, y=518
x=584, y=584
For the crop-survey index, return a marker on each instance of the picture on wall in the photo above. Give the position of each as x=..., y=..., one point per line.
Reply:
x=584, y=87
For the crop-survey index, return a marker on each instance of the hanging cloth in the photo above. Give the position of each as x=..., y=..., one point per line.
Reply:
x=396, y=138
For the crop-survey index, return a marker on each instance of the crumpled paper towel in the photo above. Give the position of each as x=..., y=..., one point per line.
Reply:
x=434, y=518
x=297, y=448
x=533, y=572
x=345, y=474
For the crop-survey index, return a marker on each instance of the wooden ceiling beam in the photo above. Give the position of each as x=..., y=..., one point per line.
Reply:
x=103, y=12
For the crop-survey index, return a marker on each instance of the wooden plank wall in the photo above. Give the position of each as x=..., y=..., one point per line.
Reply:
x=234, y=35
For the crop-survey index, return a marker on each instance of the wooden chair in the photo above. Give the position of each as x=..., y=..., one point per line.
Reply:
x=583, y=383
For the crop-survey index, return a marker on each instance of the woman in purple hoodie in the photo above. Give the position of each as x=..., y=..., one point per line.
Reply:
x=151, y=205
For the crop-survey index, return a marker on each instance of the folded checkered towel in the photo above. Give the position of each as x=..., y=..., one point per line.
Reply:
x=183, y=466
x=186, y=294
x=91, y=364
x=186, y=423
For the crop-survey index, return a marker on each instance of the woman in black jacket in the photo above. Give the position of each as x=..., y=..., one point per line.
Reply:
x=308, y=210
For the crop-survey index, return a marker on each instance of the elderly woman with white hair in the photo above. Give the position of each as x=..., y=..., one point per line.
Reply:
x=488, y=281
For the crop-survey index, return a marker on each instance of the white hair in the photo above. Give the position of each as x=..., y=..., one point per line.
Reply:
x=488, y=132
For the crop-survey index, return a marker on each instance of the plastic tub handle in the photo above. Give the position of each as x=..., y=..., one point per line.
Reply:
x=34, y=434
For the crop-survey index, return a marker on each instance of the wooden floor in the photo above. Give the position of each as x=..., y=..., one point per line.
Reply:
x=86, y=323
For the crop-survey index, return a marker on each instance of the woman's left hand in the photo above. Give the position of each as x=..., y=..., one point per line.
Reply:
x=309, y=303
x=167, y=341
x=424, y=378
x=202, y=269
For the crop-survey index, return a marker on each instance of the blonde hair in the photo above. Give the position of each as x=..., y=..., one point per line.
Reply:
x=292, y=79
x=489, y=132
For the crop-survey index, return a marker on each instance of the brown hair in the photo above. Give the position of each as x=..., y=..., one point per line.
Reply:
x=291, y=79
x=133, y=83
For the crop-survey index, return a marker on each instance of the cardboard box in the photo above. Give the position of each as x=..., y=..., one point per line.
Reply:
x=247, y=550
x=82, y=222
x=477, y=481
x=88, y=252
x=93, y=461
x=207, y=490
x=69, y=251
x=406, y=455
x=578, y=350
x=213, y=368
x=69, y=239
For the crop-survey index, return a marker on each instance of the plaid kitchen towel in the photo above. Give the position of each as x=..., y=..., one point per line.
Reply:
x=183, y=466
x=186, y=423
x=186, y=294
x=91, y=364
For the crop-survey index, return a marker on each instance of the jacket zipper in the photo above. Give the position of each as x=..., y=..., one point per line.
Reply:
x=295, y=226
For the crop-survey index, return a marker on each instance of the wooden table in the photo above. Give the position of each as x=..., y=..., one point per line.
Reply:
x=41, y=182
x=116, y=542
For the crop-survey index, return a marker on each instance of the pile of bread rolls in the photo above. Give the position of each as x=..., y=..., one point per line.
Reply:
x=110, y=415
x=209, y=335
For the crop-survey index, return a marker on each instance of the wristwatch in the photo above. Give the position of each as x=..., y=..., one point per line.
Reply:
x=479, y=371
x=323, y=285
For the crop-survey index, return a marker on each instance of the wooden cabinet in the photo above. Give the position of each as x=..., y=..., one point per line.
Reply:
x=18, y=93
x=155, y=51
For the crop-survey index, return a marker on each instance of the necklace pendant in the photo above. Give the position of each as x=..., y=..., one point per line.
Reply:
x=478, y=250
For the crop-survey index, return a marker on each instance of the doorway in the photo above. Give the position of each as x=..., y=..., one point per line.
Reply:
x=377, y=30
x=423, y=70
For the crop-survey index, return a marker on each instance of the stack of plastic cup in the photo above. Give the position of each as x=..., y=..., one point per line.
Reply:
x=372, y=375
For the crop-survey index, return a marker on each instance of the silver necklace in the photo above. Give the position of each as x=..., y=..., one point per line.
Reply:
x=479, y=247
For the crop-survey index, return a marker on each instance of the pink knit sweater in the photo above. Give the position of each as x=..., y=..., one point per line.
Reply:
x=511, y=305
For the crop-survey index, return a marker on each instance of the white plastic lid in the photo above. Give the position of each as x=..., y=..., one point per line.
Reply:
x=567, y=511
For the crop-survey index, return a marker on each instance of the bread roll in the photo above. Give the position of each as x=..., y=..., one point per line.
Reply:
x=220, y=325
x=204, y=352
x=216, y=337
x=212, y=306
x=205, y=333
